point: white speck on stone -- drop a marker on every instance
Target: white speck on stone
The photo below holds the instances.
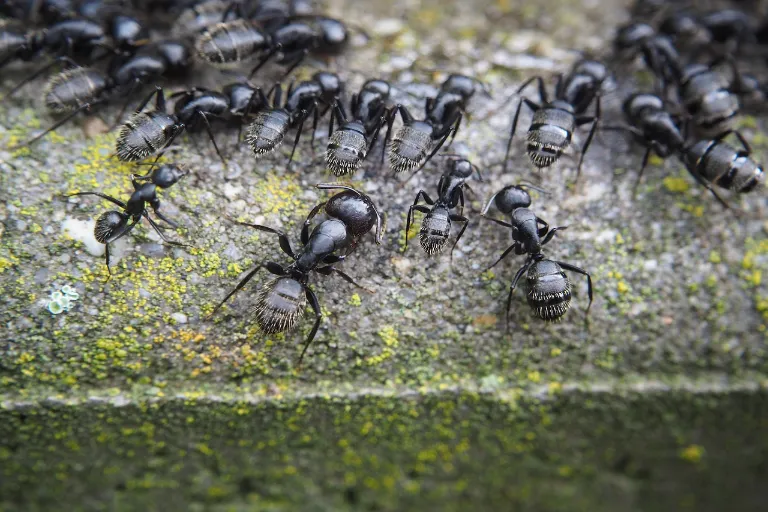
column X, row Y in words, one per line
column 231, row 191
column 606, row 236
column 179, row 318
column 82, row 231
column 650, row 265
column 388, row 27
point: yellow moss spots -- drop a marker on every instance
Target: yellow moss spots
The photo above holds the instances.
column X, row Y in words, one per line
column 755, row 278
column 692, row 453
column 277, row 194
column 488, row 275
column 619, row 239
column 388, row 334
column 714, row 257
column 534, row 376
column 697, row 210
column 622, row 287
column 676, row 184
column 355, row 300
column 555, row 352
column 24, row 358
column 209, row 263
column 6, row 263
column 554, row 388
column 746, row 122
column 565, row 471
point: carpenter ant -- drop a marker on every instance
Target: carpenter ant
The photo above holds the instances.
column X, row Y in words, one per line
column 729, row 28
column 715, row 161
column 352, row 207
column 411, row 145
column 239, row 40
column 350, row 144
column 73, row 38
column 436, row 225
column 201, row 16
column 281, row 302
column 112, row 225
column 554, row 121
column 269, row 127
column 80, row 89
column 706, row 97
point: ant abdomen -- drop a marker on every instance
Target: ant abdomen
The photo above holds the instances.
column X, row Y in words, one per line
column 720, row 163
column 434, row 232
column 279, row 305
column 266, row 132
column 347, row 148
column 230, row 43
column 68, row 90
column 549, row 135
column 410, row 146
column 106, row 225
column 549, row 290
column 144, row 134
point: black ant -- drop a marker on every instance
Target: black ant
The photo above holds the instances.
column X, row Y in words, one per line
column 351, row 143
column 411, row 145
column 270, row 125
column 554, row 121
column 281, row 302
column 708, row 161
column 436, row 225
column 512, row 197
column 658, row 51
column 729, row 28
column 80, row 89
column 113, row 225
column 238, row 40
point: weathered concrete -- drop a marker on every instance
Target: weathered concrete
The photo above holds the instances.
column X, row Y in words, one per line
column 413, row 396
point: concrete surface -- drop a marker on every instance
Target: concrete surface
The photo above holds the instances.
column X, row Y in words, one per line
column 413, row 397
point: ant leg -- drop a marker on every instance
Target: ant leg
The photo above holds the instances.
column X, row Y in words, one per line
column 106, row 257
column 544, row 226
column 160, row 233
column 514, row 247
column 512, row 131
column 305, row 227
column 646, row 157
column 200, row 114
column 418, row 208
column 134, row 85
column 572, row 268
column 551, row 233
column 304, row 114
column 704, row 183
column 158, row 91
column 743, row 141
column 458, row 218
column 39, row 72
column 264, row 60
column 99, row 194
column 500, row 222
column 164, row 218
column 285, row 244
column 315, row 119
column 318, row 317
column 455, row 128
column 375, row 136
column 490, row 202
column 592, row 131
column 237, row 288
column 302, row 55
column 512, row 287
column 328, row 270
column 56, row 125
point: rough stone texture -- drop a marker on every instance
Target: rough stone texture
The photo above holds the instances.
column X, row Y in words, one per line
column 412, row 396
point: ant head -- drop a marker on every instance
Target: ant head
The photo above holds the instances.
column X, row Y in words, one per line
column 175, row 54
column 459, row 166
column 107, row 224
column 168, row 174
column 630, row 36
column 330, row 83
column 512, row 197
column 127, row 32
column 334, row 35
column 465, row 86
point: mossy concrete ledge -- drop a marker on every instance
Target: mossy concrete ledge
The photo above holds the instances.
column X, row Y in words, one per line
column 630, row 448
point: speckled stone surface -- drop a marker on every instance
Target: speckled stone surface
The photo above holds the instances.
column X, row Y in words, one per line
column 413, row 397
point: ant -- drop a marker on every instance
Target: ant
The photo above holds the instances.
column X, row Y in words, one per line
column 268, row 129
column 554, row 121
column 658, row 51
column 240, row 39
column 436, row 225
column 113, row 225
column 350, row 144
column 410, row 148
column 512, row 197
column 80, row 89
column 715, row 161
column 281, row 302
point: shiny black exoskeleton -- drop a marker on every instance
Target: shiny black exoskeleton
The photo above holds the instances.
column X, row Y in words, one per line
column 270, row 125
column 511, row 197
column 717, row 162
column 707, row 98
column 657, row 50
column 436, row 225
column 281, row 302
column 351, row 143
column 75, row 38
column 113, row 224
column 728, row 28
column 148, row 133
column 417, row 141
column 80, row 89
column 352, row 207
column 553, row 121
